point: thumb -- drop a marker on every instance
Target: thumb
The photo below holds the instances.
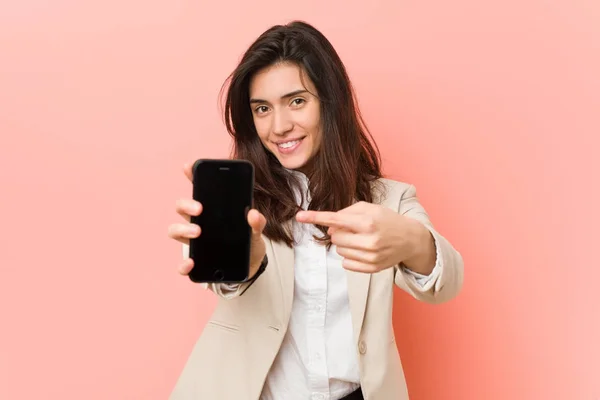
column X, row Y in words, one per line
column 257, row 222
column 187, row 170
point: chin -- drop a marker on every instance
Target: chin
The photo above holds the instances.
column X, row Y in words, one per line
column 292, row 165
column 295, row 163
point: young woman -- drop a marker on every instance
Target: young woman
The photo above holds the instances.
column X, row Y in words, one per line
column 316, row 323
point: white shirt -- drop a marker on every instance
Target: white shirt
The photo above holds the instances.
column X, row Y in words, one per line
column 317, row 359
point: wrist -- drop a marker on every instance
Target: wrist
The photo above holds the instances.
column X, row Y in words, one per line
column 423, row 258
column 253, row 270
column 255, row 274
column 257, row 269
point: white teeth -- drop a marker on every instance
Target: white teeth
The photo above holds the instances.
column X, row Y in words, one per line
column 287, row 145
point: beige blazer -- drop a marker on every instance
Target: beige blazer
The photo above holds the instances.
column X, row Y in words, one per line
column 236, row 349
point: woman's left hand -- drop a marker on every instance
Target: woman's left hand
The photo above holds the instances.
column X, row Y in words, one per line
column 371, row 237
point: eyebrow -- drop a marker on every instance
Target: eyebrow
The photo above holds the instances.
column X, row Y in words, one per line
column 285, row 96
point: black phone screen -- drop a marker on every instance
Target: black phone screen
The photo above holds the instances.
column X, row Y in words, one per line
column 222, row 251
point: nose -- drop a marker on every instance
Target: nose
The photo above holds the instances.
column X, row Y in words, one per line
column 282, row 124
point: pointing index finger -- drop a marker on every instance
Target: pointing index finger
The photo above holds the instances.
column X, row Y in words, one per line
column 330, row 219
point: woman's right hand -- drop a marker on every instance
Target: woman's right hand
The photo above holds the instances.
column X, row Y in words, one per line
column 184, row 231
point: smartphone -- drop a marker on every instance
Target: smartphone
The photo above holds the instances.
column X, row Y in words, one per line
column 222, row 251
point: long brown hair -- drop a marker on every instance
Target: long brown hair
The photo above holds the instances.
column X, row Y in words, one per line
column 348, row 161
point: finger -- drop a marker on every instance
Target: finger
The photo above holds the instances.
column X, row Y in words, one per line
column 257, row 221
column 348, row 221
column 187, row 170
column 358, row 241
column 366, row 257
column 183, row 232
column 186, row 266
column 187, row 208
column 358, row 266
column 358, row 208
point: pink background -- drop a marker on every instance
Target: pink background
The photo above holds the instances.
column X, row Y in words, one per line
column 491, row 108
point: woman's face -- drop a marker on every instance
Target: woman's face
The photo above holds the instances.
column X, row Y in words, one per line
column 286, row 114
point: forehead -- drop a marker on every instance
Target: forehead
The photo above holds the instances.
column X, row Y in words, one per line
column 277, row 80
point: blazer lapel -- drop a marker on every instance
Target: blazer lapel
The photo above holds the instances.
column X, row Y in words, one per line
column 284, row 259
column 358, row 291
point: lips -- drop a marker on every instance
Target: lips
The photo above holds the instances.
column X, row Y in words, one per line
column 287, row 145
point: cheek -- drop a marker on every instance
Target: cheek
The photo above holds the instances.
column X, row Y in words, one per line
column 313, row 123
column 309, row 124
column 317, row 139
column 314, row 127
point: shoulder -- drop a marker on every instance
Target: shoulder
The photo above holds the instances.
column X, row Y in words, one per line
column 387, row 190
column 395, row 186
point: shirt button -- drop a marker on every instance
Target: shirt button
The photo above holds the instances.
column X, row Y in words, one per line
column 317, row 396
column 362, row 347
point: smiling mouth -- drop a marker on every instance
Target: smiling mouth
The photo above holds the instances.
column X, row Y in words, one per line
column 290, row 143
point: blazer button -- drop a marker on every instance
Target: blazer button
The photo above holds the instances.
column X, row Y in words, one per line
column 362, row 347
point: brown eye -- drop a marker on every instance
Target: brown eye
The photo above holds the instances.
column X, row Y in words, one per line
column 261, row 109
column 298, row 102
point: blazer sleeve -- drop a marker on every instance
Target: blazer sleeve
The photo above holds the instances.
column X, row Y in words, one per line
column 224, row 290
column 446, row 280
